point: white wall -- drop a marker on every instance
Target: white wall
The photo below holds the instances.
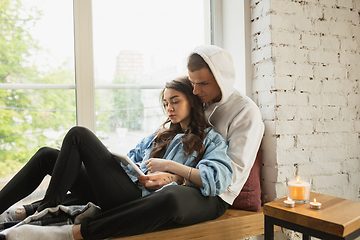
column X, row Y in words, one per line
column 306, row 63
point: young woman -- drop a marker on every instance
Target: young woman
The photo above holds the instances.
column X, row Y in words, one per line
column 183, row 149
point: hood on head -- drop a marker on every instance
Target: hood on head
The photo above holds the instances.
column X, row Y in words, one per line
column 222, row 67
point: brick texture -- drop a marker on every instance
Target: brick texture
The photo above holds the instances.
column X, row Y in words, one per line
column 306, row 60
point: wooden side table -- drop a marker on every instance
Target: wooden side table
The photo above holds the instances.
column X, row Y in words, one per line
column 338, row 218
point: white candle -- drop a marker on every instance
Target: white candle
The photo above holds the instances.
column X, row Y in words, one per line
column 289, row 203
column 299, row 189
column 315, row 204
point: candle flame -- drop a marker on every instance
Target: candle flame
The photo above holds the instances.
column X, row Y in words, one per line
column 314, row 199
column 297, row 179
column 288, row 199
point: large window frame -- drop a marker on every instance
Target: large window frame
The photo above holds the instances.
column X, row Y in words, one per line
column 231, row 20
column 219, row 30
column 85, row 89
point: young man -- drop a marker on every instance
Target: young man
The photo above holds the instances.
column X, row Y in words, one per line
column 233, row 115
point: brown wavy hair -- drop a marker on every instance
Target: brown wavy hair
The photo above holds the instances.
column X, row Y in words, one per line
column 194, row 135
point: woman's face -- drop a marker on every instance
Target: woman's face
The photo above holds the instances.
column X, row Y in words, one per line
column 177, row 107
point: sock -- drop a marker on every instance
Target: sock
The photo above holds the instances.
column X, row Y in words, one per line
column 8, row 215
column 33, row 232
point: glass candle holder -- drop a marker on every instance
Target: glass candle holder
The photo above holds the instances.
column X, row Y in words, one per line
column 298, row 189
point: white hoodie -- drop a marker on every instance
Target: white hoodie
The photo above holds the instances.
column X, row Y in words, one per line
column 236, row 117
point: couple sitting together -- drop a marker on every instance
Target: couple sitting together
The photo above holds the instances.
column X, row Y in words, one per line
column 195, row 164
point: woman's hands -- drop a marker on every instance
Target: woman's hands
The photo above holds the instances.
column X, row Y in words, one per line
column 157, row 175
column 157, row 180
column 157, row 165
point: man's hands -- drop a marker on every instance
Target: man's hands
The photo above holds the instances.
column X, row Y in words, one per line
column 157, row 180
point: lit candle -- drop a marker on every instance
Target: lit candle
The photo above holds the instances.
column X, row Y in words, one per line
column 299, row 190
column 315, row 204
column 289, row 203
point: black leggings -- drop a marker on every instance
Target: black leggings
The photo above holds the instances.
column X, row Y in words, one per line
column 101, row 180
column 174, row 204
column 84, row 166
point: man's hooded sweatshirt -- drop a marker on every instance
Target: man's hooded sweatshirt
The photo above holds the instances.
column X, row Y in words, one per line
column 236, row 117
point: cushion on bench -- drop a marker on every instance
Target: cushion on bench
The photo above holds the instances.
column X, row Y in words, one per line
column 250, row 196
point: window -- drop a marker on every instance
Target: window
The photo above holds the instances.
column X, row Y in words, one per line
column 138, row 46
column 125, row 52
column 37, row 78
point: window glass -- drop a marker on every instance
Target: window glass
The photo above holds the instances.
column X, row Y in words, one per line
column 37, row 40
column 139, row 43
column 36, row 47
column 138, row 46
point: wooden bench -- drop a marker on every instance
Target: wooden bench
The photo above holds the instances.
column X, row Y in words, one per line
column 234, row 224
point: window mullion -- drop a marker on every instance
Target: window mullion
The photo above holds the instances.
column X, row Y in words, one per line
column 207, row 22
column 216, row 12
column 85, row 94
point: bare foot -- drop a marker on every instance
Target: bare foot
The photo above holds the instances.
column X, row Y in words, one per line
column 76, row 232
column 20, row 213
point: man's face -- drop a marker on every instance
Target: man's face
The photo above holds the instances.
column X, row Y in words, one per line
column 205, row 85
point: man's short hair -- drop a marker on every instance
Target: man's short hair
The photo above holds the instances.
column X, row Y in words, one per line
column 196, row 62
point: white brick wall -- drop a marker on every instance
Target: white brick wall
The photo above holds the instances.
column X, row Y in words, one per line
column 306, row 58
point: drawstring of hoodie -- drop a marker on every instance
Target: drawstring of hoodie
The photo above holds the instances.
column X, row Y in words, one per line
column 210, row 116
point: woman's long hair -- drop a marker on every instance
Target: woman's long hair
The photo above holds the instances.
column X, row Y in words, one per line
column 194, row 135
